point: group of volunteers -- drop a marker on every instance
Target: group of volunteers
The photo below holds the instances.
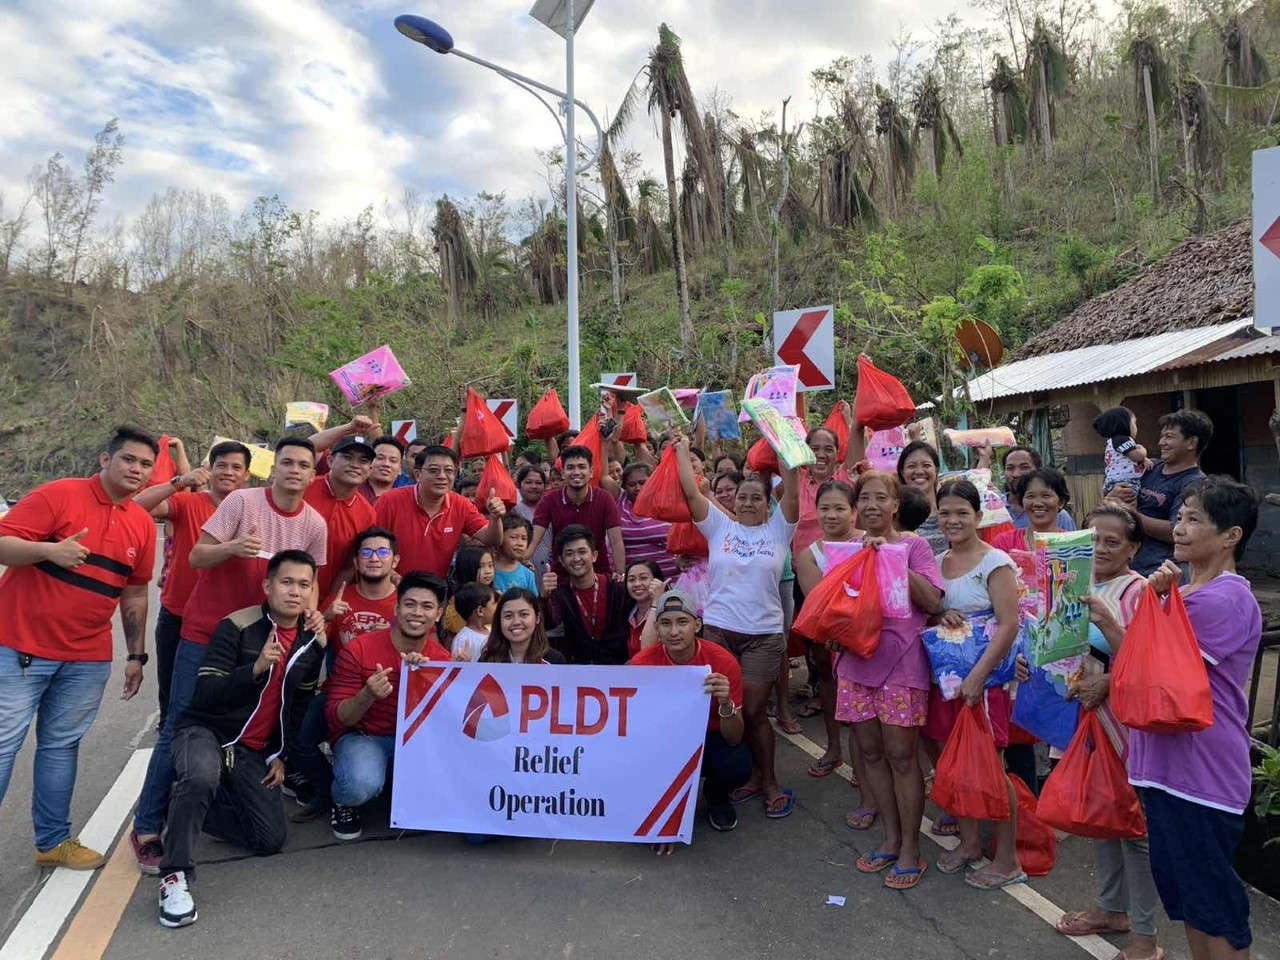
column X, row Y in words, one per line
column 287, row 609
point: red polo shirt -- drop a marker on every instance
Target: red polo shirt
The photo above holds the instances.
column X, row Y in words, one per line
column 708, row 654
column 427, row 541
column 51, row 612
column 355, row 665
column 187, row 514
column 344, row 519
column 598, row 513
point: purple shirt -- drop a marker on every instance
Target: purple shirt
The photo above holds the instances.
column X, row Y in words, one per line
column 645, row 538
column 598, row 513
column 1211, row 766
column 900, row 659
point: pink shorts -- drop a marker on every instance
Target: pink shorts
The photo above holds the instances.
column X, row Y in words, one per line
column 943, row 713
column 891, row 704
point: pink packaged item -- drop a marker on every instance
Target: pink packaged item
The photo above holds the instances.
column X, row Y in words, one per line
column 891, row 571
column 884, row 448
column 375, row 374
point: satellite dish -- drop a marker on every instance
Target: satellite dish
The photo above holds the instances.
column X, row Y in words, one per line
column 979, row 344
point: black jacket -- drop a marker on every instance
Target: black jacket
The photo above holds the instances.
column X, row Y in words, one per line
column 227, row 694
column 567, row 631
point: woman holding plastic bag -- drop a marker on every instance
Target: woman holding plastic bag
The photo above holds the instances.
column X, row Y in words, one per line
column 886, row 695
column 977, row 577
column 744, row 612
column 1127, row 898
column 1196, row 785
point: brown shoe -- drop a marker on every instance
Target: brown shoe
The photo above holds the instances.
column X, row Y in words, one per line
column 72, row 854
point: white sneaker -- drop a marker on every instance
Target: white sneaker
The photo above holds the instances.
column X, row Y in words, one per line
column 177, row 909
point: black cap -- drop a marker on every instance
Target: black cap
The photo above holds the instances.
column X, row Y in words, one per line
column 352, row 443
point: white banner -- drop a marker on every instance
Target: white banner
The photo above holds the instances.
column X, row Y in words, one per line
column 565, row 752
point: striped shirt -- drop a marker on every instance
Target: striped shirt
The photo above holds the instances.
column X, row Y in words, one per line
column 644, row 538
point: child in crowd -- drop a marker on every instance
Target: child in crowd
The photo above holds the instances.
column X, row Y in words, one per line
column 473, row 565
column 475, row 604
column 467, row 485
column 913, row 510
column 509, row 569
column 1124, row 460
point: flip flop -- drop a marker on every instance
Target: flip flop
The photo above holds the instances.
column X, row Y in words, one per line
column 743, row 794
column 946, row 826
column 808, row 710
column 790, row 726
column 904, row 879
column 954, row 866
column 875, row 861
column 854, row 818
column 787, row 808
column 823, row 767
column 1075, row 924
column 995, row 882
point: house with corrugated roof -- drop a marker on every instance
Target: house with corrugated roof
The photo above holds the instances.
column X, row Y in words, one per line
column 1179, row 333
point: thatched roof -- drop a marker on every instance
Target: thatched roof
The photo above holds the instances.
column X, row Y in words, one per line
column 1206, row 280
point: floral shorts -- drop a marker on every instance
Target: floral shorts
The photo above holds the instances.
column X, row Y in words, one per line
column 893, row 703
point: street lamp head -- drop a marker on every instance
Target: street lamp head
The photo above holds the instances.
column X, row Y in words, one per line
column 424, row 31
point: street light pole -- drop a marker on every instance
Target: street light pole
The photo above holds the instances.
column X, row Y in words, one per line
column 571, row 226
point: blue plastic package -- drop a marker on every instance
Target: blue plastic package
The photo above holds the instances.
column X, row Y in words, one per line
column 954, row 651
column 1041, row 707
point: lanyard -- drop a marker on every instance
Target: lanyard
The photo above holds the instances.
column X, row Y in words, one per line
column 594, row 614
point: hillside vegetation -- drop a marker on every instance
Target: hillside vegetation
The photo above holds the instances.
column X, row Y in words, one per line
column 1006, row 175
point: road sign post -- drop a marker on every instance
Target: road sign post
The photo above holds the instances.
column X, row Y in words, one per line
column 806, row 338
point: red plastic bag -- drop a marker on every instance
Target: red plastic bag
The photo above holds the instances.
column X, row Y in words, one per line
column 1035, row 840
column 686, row 540
column 882, row 401
column 837, row 424
column 448, row 440
column 547, row 419
column 482, row 431
column 661, row 496
column 165, row 469
column 633, row 428
column 1158, row 681
column 589, row 437
column 762, row 457
column 1088, row 792
column 854, row 620
column 809, row 622
column 969, row 780
column 497, row 478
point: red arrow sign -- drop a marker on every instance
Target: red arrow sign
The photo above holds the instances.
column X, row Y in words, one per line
column 500, row 410
column 406, row 427
column 792, row 350
column 1271, row 238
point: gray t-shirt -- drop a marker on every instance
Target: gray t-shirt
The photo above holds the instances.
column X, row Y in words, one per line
column 1160, row 497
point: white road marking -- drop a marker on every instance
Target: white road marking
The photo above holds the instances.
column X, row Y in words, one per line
column 39, row 927
column 1037, row 903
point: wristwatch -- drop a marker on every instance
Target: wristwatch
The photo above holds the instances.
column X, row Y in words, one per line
column 176, row 483
column 141, row 658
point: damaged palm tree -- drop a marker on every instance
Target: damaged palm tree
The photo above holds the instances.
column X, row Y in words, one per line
column 653, row 247
column 934, row 122
column 1151, row 93
column 1242, row 65
column 458, row 269
column 895, row 147
column 1008, row 115
column 1046, row 80
column 843, row 199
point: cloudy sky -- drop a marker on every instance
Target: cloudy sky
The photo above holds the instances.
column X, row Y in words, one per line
column 323, row 102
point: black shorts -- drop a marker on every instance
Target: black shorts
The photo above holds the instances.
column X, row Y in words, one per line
column 1193, row 851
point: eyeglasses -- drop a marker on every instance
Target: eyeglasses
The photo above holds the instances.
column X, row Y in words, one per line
column 367, row 552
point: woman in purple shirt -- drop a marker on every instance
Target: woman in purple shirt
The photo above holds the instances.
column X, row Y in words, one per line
column 1195, row 786
column 886, row 695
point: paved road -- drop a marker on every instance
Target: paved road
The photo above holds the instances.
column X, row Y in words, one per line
column 758, row 892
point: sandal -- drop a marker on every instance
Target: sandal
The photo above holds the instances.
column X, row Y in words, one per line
column 788, row 799
column 807, row 710
column 790, row 726
column 1076, row 923
column 875, row 861
column 984, row 879
column 860, row 819
column 953, row 862
column 743, row 794
column 900, row 878
column 947, row 826
column 823, row 766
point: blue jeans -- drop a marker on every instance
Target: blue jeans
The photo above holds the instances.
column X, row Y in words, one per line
column 360, row 765
column 63, row 696
column 153, row 801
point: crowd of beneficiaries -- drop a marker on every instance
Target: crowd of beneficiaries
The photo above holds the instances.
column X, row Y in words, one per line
column 286, row 610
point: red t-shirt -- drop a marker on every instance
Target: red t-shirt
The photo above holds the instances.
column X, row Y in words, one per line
column 365, row 615
column 355, row 664
column 593, row 606
column 59, row 614
column 598, row 513
column 237, row 582
column 187, row 515
column 266, row 717
column 344, row 519
column 427, row 541
column 708, row 654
